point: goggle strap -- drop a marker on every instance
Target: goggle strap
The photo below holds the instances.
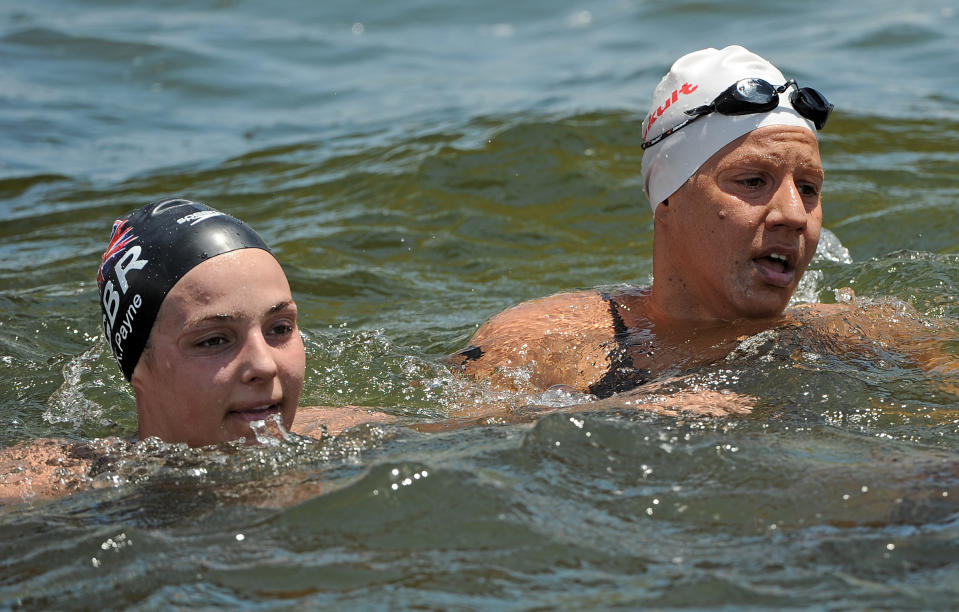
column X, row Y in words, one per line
column 700, row 110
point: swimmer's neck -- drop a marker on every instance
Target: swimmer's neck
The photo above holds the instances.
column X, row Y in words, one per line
column 642, row 309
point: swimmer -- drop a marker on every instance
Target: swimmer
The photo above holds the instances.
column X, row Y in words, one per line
column 732, row 171
column 201, row 320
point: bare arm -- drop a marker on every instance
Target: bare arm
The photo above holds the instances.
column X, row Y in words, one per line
column 658, row 397
column 312, row 421
column 892, row 325
column 40, row 469
column 685, row 402
column 564, row 339
column 47, row 468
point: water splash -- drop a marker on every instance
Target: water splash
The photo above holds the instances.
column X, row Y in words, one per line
column 830, row 249
column 271, row 432
column 68, row 404
column 807, row 292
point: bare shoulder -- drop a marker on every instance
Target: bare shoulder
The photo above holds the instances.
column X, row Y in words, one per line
column 559, row 313
column 41, row 469
column 888, row 324
column 312, row 421
column 888, row 320
column 560, row 339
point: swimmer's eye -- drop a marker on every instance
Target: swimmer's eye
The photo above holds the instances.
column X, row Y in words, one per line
column 282, row 329
column 212, row 342
column 752, row 182
column 809, row 189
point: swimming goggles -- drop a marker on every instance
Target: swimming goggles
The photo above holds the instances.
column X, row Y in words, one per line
column 751, row 96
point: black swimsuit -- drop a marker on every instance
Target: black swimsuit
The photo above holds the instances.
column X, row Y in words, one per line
column 622, row 375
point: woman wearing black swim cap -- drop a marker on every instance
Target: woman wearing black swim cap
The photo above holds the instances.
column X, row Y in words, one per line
column 201, row 320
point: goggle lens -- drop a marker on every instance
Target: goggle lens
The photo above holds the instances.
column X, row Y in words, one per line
column 747, row 97
column 812, row 105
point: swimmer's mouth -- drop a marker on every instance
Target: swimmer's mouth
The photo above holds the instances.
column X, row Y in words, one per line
column 776, row 268
column 255, row 413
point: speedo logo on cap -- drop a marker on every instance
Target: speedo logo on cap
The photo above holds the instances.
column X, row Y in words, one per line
column 194, row 218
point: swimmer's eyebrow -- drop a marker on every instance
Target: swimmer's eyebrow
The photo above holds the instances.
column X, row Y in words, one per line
column 228, row 316
column 281, row 306
column 773, row 158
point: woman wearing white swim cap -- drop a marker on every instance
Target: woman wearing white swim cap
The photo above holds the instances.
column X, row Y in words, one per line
column 732, row 170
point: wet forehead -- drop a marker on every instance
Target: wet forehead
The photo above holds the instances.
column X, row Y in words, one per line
column 774, row 145
column 242, row 280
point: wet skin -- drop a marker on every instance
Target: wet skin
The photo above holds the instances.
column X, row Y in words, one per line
column 730, row 248
column 224, row 351
column 734, row 241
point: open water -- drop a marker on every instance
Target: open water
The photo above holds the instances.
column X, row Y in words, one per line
column 418, row 166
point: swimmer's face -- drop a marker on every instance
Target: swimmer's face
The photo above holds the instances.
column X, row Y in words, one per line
column 738, row 236
column 225, row 350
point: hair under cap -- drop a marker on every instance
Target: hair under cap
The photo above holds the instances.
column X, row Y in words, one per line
column 695, row 80
column 151, row 249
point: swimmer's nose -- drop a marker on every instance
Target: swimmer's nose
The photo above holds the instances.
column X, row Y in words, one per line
column 258, row 363
column 788, row 208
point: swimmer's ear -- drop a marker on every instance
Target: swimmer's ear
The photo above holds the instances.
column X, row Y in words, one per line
column 661, row 214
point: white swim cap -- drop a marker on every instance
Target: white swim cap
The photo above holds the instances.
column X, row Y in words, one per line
column 695, row 80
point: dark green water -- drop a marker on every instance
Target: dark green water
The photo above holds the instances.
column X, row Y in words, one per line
column 418, row 167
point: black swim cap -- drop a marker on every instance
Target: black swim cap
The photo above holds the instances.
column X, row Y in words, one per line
column 150, row 250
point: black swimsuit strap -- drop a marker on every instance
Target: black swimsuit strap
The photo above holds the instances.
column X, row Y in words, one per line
column 470, row 353
column 621, row 375
column 620, row 331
